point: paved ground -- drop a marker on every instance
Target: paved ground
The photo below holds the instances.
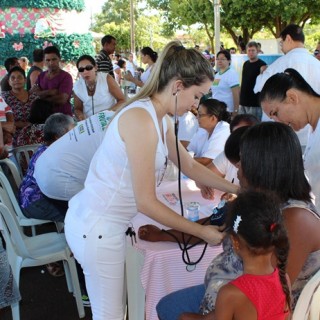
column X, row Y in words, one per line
column 44, row 297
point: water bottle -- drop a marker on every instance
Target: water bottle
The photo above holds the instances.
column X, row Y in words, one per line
column 192, row 211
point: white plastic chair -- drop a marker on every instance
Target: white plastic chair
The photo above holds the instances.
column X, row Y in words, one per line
column 38, row 250
column 308, row 305
column 8, row 197
column 23, row 155
column 15, row 172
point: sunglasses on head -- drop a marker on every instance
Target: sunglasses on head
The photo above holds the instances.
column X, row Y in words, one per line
column 88, row 68
column 316, row 52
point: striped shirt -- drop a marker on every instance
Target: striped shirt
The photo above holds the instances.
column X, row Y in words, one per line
column 104, row 63
column 4, row 109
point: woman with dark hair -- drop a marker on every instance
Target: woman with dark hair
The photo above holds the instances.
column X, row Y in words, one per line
column 271, row 160
column 288, row 98
column 126, row 169
column 19, row 100
column 225, row 86
column 148, row 57
column 214, row 130
column 94, row 91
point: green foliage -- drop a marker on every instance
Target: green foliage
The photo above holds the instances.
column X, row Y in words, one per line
column 239, row 17
column 115, row 20
column 120, row 32
column 71, row 46
column 60, row 4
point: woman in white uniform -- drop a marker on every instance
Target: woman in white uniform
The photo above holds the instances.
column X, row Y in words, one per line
column 286, row 97
column 125, row 171
column 214, row 130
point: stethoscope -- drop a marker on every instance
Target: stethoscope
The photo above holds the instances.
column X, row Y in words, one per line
column 184, row 246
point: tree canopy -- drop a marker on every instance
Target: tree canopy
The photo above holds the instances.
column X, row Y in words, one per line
column 239, row 17
column 242, row 18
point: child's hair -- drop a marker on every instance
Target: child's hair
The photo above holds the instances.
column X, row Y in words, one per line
column 247, row 118
column 232, row 145
column 256, row 217
column 216, row 108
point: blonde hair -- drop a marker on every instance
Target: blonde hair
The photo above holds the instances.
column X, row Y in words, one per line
column 175, row 63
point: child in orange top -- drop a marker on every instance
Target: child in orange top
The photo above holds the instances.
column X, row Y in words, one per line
column 259, row 237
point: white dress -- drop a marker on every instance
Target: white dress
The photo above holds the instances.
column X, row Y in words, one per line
column 102, row 98
column 61, row 170
column 99, row 215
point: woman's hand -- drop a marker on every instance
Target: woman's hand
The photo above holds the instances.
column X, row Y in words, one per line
column 207, row 193
column 213, row 235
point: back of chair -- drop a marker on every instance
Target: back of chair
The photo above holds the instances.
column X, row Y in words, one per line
column 307, row 307
column 8, row 197
column 12, row 232
column 13, row 170
column 23, row 155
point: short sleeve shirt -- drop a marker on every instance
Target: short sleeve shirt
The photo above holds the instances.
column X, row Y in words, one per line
column 63, row 82
column 222, row 85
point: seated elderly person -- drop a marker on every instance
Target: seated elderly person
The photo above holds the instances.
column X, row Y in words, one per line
column 214, row 130
column 61, row 170
column 31, row 199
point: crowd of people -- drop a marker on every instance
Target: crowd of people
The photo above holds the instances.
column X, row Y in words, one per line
column 102, row 157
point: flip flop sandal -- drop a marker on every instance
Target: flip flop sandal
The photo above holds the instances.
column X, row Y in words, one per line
column 55, row 269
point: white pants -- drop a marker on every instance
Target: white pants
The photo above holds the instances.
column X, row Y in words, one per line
column 101, row 253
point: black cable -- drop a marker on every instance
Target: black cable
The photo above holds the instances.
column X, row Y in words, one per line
column 184, row 246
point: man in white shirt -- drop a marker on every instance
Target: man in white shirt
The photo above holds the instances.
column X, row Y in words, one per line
column 296, row 56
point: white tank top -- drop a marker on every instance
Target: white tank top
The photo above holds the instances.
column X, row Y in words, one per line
column 108, row 190
column 102, row 98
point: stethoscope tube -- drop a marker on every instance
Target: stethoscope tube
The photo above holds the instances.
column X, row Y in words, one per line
column 190, row 265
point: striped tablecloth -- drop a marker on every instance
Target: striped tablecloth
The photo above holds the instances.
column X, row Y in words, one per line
column 163, row 270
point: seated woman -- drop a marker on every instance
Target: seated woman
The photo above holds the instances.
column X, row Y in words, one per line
column 33, row 133
column 265, row 166
column 214, row 130
column 33, row 202
column 94, row 91
column 19, row 99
